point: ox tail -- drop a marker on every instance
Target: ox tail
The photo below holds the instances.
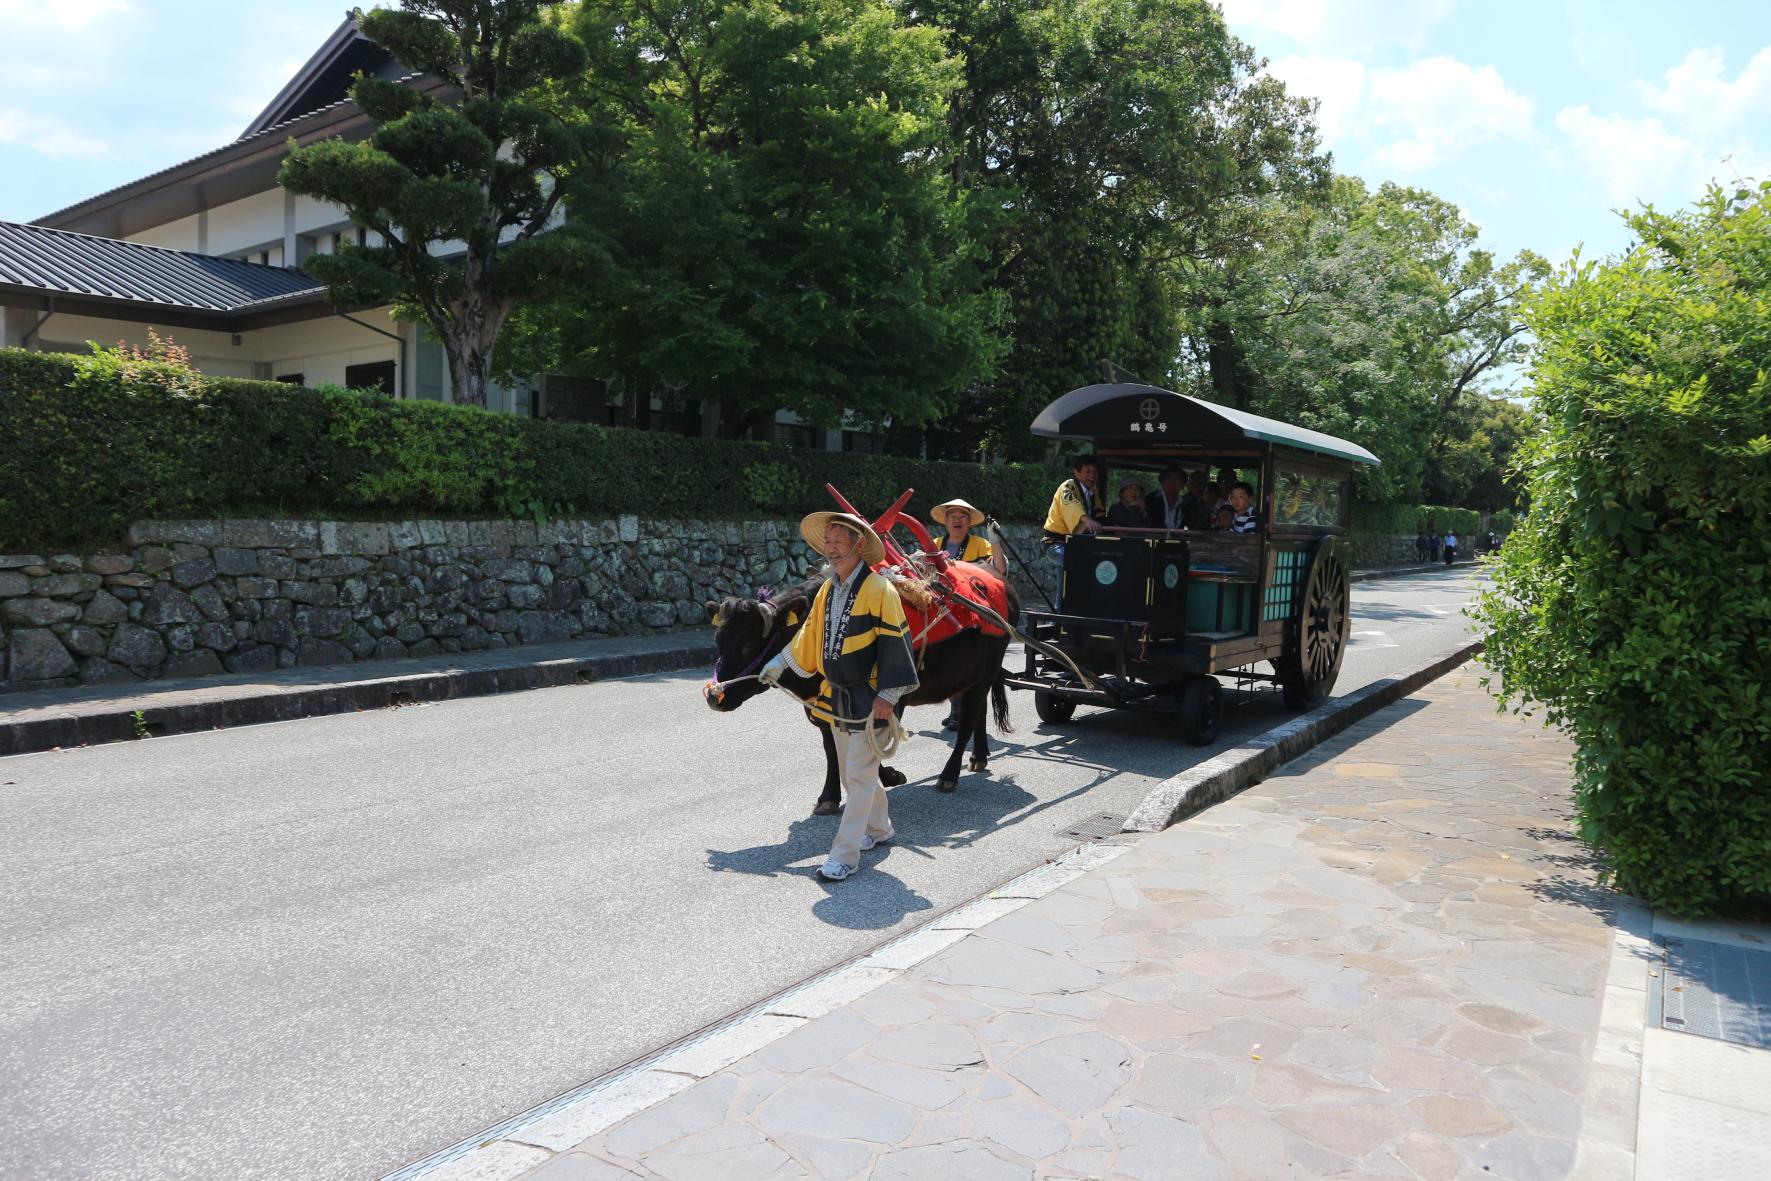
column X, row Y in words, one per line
column 999, row 700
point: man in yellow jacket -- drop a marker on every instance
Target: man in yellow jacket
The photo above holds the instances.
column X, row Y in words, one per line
column 856, row 638
column 1075, row 508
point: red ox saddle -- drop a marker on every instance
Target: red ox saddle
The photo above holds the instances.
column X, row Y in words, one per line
column 975, row 583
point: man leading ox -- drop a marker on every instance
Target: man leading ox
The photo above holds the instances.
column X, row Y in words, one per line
column 856, row 638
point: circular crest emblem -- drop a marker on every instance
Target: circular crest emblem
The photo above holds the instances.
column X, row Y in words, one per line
column 1171, row 575
column 1149, row 408
column 1106, row 573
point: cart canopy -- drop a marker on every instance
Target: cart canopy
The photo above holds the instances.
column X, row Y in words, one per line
column 1144, row 416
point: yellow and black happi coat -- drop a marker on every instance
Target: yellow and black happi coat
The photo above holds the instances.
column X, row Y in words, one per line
column 872, row 649
column 977, row 549
column 1068, row 507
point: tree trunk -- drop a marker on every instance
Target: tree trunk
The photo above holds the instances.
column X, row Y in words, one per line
column 1230, row 378
column 468, row 340
column 735, row 421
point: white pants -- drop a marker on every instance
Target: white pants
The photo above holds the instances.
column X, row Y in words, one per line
column 864, row 797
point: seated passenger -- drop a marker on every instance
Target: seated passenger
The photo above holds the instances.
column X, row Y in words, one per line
column 1224, row 520
column 1129, row 512
column 1196, row 502
column 1164, row 506
column 1241, row 506
column 1227, row 479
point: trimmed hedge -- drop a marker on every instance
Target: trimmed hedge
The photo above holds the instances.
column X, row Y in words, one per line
column 1633, row 602
column 89, row 445
column 1401, row 520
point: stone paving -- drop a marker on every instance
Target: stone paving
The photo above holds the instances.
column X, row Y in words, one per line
column 1388, row 960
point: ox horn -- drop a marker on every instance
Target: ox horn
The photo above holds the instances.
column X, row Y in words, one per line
column 768, row 610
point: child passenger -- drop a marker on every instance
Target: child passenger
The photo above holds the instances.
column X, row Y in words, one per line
column 1242, row 515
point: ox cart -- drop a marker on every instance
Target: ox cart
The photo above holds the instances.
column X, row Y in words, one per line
column 1150, row 618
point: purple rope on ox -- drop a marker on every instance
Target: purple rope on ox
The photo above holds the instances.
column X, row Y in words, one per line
column 763, row 595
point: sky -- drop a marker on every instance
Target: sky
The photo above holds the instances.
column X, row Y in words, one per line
column 1539, row 118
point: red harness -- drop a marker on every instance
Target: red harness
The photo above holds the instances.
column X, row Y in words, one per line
column 952, row 616
column 967, row 579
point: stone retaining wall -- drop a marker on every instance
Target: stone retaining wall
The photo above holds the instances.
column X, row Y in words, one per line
column 189, row 598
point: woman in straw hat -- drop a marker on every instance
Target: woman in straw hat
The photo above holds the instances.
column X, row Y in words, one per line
column 857, row 640
column 962, row 545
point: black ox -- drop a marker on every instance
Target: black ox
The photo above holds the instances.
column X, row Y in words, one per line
column 967, row 666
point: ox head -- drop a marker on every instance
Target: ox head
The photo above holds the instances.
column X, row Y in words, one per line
column 747, row 634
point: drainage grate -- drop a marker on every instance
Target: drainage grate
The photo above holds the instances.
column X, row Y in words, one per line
column 1098, row 827
column 1715, row 990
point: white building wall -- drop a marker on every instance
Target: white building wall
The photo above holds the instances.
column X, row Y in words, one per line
column 174, row 235
column 319, row 350
column 252, row 223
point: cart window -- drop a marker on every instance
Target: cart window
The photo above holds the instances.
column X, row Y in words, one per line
column 1306, row 498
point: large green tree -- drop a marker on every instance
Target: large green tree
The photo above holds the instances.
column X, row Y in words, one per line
column 1369, row 315
column 783, row 231
column 1115, row 138
column 461, row 192
column 1473, row 463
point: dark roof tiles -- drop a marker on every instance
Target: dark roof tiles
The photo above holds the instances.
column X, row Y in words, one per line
column 58, row 262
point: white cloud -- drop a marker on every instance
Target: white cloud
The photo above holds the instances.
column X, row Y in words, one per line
column 1338, row 26
column 1441, row 106
column 1698, row 93
column 1700, row 129
column 1337, row 83
column 46, row 135
column 1413, row 118
column 60, row 16
column 1635, row 159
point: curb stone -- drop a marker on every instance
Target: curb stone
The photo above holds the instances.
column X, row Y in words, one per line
column 1219, row 778
column 1404, row 571
column 288, row 704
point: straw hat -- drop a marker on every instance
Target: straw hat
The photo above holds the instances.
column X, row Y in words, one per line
column 812, row 529
column 939, row 514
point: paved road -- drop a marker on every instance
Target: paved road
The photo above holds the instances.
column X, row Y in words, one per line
column 325, row 948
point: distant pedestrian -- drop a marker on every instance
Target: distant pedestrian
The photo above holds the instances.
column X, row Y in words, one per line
column 1434, row 543
column 1450, row 548
column 1420, row 546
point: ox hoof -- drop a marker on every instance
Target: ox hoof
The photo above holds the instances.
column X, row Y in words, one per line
column 827, row 808
column 978, row 765
column 947, row 785
column 891, row 777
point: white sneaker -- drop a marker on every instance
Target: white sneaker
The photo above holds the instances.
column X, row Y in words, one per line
column 835, row 871
column 868, row 842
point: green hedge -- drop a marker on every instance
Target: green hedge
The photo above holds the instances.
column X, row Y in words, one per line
column 1633, row 602
column 90, row 444
column 1391, row 519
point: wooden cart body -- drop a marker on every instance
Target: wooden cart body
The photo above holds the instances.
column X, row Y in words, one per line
column 1150, row 617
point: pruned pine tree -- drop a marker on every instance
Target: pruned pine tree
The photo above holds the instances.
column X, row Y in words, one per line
column 462, row 192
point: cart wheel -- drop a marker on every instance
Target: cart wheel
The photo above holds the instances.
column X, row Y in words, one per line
column 1052, row 708
column 1200, row 710
column 1308, row 669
